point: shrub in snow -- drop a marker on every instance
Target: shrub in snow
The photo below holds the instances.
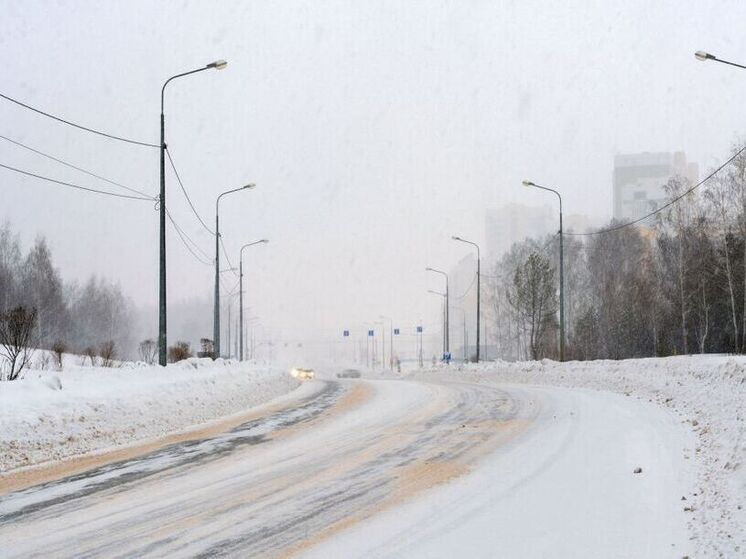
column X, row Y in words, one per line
column 16, row 326
column 90, row 353
column 107, row 351
column 148, row 350
column 179, row 352
column 59, row 348
column 43, row 362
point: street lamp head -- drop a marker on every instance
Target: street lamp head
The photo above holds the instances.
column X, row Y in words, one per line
column 264, row 241
column 528, row 183
column 428, row 269
column 456, row 238
column 250, row 185
column 218, row 64
column 702, row 55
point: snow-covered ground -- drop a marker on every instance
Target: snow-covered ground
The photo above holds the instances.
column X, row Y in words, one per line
column 52, row 415
column 530, row 459
column 706, row 395
column 563, row 485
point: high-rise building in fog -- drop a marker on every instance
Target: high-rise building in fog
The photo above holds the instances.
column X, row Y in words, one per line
column 514, row 222
column 639, row 179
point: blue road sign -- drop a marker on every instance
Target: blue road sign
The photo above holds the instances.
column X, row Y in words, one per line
column 370, row 332
column 346, row 333
column 396, row 331
column 419, row 329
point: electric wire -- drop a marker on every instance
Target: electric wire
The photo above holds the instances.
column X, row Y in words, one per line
column 189, row 239
column 468, row 289
column 233, row 291
column 65, row 163
column 183, row 190
column 667, row 205
column 227, row 258
column 92, row 130
column 76, row 186
column 183, row 236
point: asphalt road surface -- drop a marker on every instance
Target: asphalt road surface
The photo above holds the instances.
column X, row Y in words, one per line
column 273, row 486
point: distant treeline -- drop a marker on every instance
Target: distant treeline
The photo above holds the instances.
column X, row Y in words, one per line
column 674, row 284
column 81, row 317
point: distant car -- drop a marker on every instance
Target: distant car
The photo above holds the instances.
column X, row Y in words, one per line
column 302, row 374
column 349, row 373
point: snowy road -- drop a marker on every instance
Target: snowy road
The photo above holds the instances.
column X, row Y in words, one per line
column 353, row 468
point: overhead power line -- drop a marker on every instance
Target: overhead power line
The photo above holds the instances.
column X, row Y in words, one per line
column 227, row 258
column 667, row 205
column 65, row 163
column 185, row 239
column 76, row 186
column 468, row 289
column 183, row 189
column 62, row 120
column 232, row 291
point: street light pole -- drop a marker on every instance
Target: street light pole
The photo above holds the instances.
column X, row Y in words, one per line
column 162, row 323
column 561, row 266
column 216, row 309
column 704, row 56
column 240, row 293
column 447, row 313
column 479, row 291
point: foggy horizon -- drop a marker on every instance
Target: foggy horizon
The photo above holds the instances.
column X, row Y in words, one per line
column 374, row 133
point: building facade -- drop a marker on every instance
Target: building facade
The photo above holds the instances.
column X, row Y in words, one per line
column 639, row 180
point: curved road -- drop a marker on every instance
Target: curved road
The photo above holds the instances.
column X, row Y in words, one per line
column 316, row 473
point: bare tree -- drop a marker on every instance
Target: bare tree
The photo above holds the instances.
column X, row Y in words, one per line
column 534, row 297
column 16, row 328
column 90, row 353
column 107, row 352
column 208, row 348
column 148, row 351
column 59, row 348
column 721, row 197
column 679, row 217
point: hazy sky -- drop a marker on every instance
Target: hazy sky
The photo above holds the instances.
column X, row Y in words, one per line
column 374, row 131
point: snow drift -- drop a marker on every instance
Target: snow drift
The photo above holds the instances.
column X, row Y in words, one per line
column 52, row 415
column 707, row 393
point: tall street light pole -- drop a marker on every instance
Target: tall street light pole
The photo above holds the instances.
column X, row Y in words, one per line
column 445, row 316
column 448, row 317
column 479, row 290
column 216, row 310
column 240, row 294
column 162, row 338
column 704, row 56
column 391, row 341
column 561, row 266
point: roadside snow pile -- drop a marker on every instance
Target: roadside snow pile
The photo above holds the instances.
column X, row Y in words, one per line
column 708, row 393
column 53, row 415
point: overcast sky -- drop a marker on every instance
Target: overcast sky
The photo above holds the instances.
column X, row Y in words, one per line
column 373, row 130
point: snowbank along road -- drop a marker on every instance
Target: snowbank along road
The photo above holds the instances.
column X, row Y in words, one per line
column 385, row 469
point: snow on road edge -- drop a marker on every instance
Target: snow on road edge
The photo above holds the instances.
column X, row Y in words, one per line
column 708, row 393
column 50, row 416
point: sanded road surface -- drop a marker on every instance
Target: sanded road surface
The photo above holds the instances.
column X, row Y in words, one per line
column 278, row 485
